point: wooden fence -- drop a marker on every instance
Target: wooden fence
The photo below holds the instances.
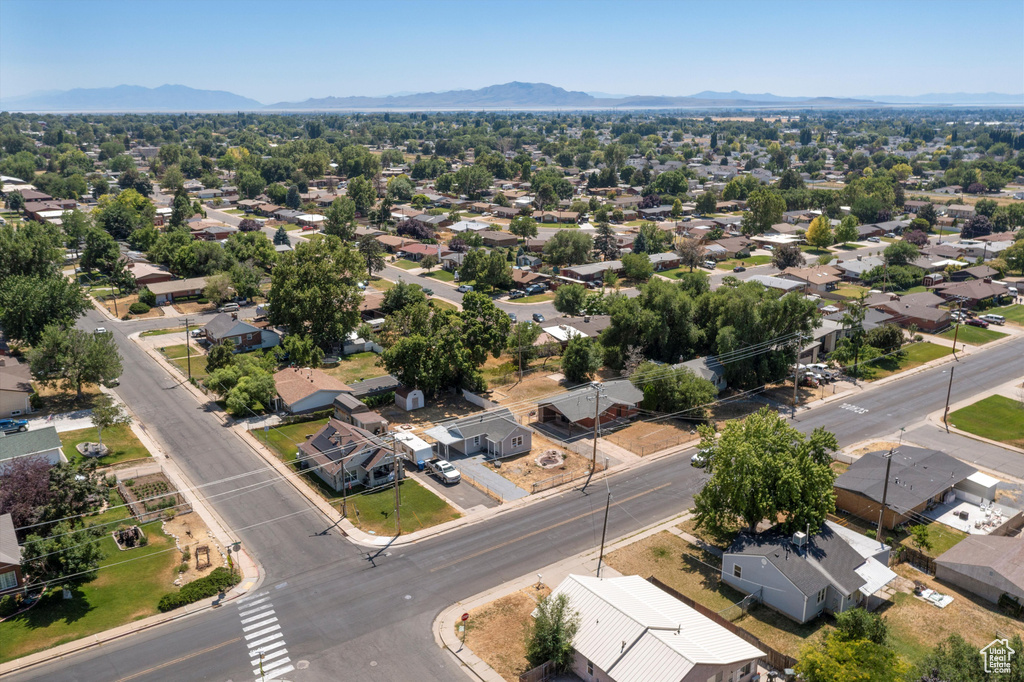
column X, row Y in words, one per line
column 773, row 658
column 541, row 673
column 909, row 555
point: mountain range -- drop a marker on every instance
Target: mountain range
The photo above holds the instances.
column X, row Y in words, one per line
column 514, row 95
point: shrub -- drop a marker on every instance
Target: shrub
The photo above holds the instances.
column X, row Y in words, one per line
column 138, row 308
column 9, row 603
column 202, row 300
column 218, row 580
column 182, row 568
column 148, row 297
column 186, row 554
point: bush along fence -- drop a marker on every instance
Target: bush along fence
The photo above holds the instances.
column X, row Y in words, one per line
column 211, row 585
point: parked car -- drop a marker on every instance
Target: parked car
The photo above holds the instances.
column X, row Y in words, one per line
column 701, row 458
column 516, row 293
column 538, row 318
column 958, row 316
column 739, row 268
column 13, row 425
column 890, row 235
column 196, row 333
column 465, row 288
column 444, row 470
column 512, row 316
column 428, row 292
column 873, row 240
column 709, row 264
column 992, row 318
column 977, row 322
column 99, row 330
column 229, row 308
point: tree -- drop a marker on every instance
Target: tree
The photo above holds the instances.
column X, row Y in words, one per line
column 927, row 212
column 33, row 250
column 637, row 267
column 569, row 299
column 707, row 203
column 521, row 342
column 173, row 180
column 122, row 213
column 651, row 239
column 15, row 201
column 25, row 488
column 691, row 252
column 1014, row 256
column 100, row 252
column 956, row 660
column 485, row 327
column 429, row 262
column 28, row 304
column 251, row 247
column 787, row 256
column 248, row 225
column 372, row 252
column 400, row 296
column 887, row 338
column 582, row 357
column 846, row 231
column 218, row 288
column 73, row 357
column 362, row 194
column 858, row 624
column 763, row 468
column 523, row 227
column 819, row 232
column 293, row 200
column 977, row 226
column 313, row 290
column 985, row 207
column 841, row 660
column 221, row 355
column 106, row 414
column 900, row 253
column 281, row 236
column 917, row 238
column 568, row 247
column 674, row 390
column 552, row 632
column 340, row 218
column 605, row 241
column 70, row 553
column 920, row 537
column 302, row 351
column 764, row 209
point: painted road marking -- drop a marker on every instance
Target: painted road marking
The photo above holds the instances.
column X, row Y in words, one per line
column 279, row 672
column 264, row 640
column 262, row 614
column 246, row 599
column 268, row 621
column 267, row 631
column 273, row 668
column 854, row 408
column 267, row 647
column 271, row 638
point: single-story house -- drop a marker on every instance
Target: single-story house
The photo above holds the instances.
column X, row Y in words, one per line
column 354, row 411
column 972, row 292
column 368, row 388
column 777, row 283
column 927, row 318
column 803, row 577
column 467, row 225
column 167, row 292
column 960, row 211
column 526, row 260
column 148, row 273
column 591, row 272
column 816, row 280
column 664, row 261
column 852, row 270
column 393, row 243
column 986, row 565
column 44, row 443
column 974, row 272
column 495, row 433
column 662, row 212
column 416, row 251
column 310, row 221
column 344, row 455
column 505, row 211
column 917, row 477
column 11, row 577
column 288, row 215
column 494, row 238
column 617, row 399
column 707, row 368
column 409, row 399
column 731, row 247
column 302, row 389
column 371, row 307
column 244, row 335
column 556, row 216
column 15, row 387
column 632, row 631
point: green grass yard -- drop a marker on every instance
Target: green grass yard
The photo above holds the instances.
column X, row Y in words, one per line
column 405, row 264
column 814, row 250
column 852, row 291
column 284, row 439
column 914, row 355
column 420, row 509
column 749, row 261
column 177, row 351
column 537, row 298
column 441, row 275
column 126, row 588
column 120, row 439
column 356, row 367
column 676, row 273
column 198, row 364
column 162, row 332
column 1013, row 313
column 976, row 336
column 441, row 304
column 995, row 417
column 941, row 537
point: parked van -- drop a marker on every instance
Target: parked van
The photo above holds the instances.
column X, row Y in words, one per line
column 994, row 319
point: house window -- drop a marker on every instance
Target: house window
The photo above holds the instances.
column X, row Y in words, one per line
column 8, row 580
column 476, row 440
column 737, row 571
column 717, row 677
column 248, row 337
column 517, row 441
column 821, row 595
column 745, row 670
column 590, row 667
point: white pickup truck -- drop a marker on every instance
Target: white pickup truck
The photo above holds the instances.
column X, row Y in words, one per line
column 444, row 470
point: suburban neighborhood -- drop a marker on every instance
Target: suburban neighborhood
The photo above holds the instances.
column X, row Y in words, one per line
column 514, row 383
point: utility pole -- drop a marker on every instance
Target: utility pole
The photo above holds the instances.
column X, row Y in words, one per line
column 597, row 421
column 885, row 490
column 398, row 496
column 956, row 329
column 796, row 372
column 604, row 532
column 188, row 350
column 949, row 390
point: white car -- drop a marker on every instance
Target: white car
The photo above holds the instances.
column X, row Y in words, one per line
column 99, row 330
column 444, row 470
column 701, row 458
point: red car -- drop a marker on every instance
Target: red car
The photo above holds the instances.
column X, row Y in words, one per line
column 975, row 322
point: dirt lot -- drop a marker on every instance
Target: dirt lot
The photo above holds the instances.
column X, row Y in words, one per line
column 57, row 400
column 180, row 528
column 524, row 471
column 125, row 302
column 644, row 438
column 439, row 408
column 534, row 386
column 873, row 446
column 192, row 308
column 496, row 632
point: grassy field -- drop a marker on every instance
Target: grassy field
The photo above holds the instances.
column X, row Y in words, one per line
column 852, row 291
column 122, row 443
column 442, row 275
column 996, row 417
column 1013, row 313
column 976, row 336
column 356, row 367
column 284, row 439
column 676, row 273
column 915, row 355
column 496, row 632
column 814, row 250
column 405, row 264
column 374, row 512
column 198, row 366
column 127, row 588
column 747, row 262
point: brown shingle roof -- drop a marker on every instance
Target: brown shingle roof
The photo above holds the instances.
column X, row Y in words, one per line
column 295, row 383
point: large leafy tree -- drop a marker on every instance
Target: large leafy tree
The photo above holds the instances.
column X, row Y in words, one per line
column 581, row 359
column 787, row 256
column 341, row 219
column 251, row 246
column 674, row 390
column 485, row 327
column 72, row 358
column 362, row 194
column 956, row 660
column 523, row 227
column 568, row 247
column 32, row 250
column 28, row 304
column 651, row 239
column 819, row 232
column 846, row 231
column 764, row 209
column 24, row 488
column 551, row 634
column 570, row 299
column 313, row 290
column 763, row 468
column 121, row 214
column 840, row 660
column 100, row 252
column 605, row 241
column 106, row 414
column 900, row 253
column 372, row 252
column 70, row 553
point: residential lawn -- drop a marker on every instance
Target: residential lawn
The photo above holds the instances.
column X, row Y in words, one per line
column 57, row 400
column 1013, row 313
column 676, row 273
column 976, row 336
column 630, row 223
column 441, row 304
column 198, row 364
column 442, row 275
column 915, row 290
column 161, row 332
column 851, row 290
column 356, row 367
column 177, row 351
column 890, row 240
column 120, row 593
column 405, row 264
column 123, row 444
column 996, row 417
column 915, row 355
column 375, row 511
column 382, row 284
column 941, row 537
column 233, row 211
column 814, row 250
column 284, row 439
column 748, row 262
column 537, row 298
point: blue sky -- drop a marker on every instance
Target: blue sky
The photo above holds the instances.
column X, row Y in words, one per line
column 275, row 51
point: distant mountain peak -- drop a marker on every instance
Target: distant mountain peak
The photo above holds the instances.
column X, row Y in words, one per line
column 132, row 98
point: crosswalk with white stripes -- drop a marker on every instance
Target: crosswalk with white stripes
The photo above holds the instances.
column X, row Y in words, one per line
column 263, row 637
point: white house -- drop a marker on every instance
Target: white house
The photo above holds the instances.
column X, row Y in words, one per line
column 632, row 631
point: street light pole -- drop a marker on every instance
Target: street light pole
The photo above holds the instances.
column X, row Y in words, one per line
column 885, row 491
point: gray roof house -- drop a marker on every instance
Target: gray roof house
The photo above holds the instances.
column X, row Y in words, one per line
column 496, row 434
column 245, row 336
column 707, row 368
column 986, row 565
column 42, row 442
column 618, row 400
column 855, row 268
column 10, row 556
column 803, row 577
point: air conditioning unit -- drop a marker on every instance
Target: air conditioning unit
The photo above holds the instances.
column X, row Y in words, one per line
column 799, row 539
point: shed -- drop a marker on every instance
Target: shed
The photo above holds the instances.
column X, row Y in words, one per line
column 409, row 399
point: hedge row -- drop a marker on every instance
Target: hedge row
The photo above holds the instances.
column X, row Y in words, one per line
column 219, row 580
